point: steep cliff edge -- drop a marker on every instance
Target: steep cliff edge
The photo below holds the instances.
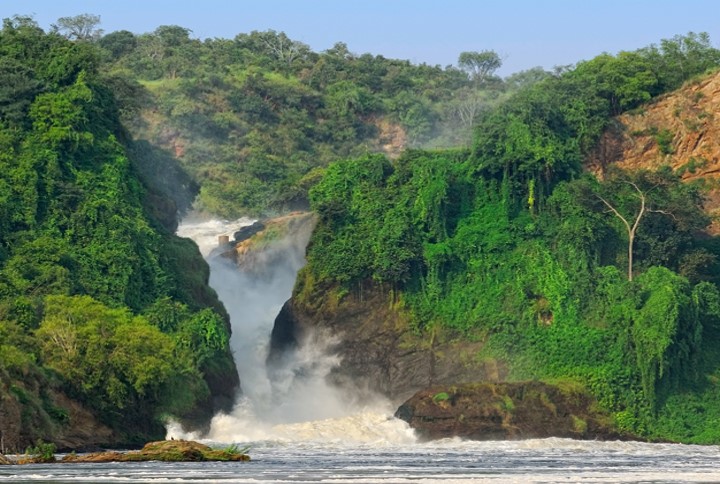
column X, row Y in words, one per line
column 380, row 351
column 679, row 130
column 439, row 269
column 522, row 410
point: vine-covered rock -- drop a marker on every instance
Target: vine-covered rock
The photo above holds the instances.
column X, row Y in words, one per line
column 165, row 451
column 498, row 411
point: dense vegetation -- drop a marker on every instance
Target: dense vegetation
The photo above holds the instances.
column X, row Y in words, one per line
column 254, row 118
column 503, row 240
column 98, row 299
column 510, row 244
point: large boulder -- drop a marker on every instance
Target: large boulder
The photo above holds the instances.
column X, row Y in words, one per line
column 500, row 411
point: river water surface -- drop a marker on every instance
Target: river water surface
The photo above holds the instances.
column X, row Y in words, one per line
column 539, row 461
column 301, row 430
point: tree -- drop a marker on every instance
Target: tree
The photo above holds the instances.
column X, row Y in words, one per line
column 79, row 27
column 177, row 51
column 683, row 57
column 480, row 66
column 276, row 46
column 658, row 192
column 625, row 80
column 469, row 104
column 173, row 35
column 527, row 78
column 118, row 43
column 630, row 229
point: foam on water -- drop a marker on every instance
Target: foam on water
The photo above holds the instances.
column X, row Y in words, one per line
column 343, row 461
column 293, row 402
column 302, row 430
column 374, row 427
column 205, row 231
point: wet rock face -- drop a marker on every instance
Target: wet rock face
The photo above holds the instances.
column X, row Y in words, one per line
column 500, row 411
column 378, row 350
column 247, row 232
column 272, row 247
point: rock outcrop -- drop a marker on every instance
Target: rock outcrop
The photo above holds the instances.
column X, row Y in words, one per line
column 83, row 431
column 499, row 411
column 379, row 350
column 680, row 129
column 274, row 241
column 164, row 451
column 70, row 426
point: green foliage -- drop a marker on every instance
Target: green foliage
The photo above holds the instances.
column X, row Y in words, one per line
column 41, row 452
column 250, row 117
column 664, row 139
column 480, row 66
column 666, row 332
column 110, row 358
column 508, row 245
column 82, row 253
column 204, row 335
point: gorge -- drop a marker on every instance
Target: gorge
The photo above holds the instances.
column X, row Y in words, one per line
column 464, row 274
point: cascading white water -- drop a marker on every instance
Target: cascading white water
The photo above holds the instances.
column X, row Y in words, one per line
column 302, row 432
column 296, row 403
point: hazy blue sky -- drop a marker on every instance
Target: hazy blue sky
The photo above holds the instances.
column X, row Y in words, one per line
column 526, row 33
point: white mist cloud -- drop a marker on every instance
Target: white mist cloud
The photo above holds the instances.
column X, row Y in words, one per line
column 294, row 400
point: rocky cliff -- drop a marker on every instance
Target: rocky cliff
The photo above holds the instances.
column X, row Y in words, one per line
column 679, row 130
column 64, row 421
column 264, row 244
column 486, row 411
column 380, row 351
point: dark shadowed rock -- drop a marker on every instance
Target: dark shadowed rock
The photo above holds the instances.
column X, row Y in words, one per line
column 500, row 411
column 379, row 350
column 247, row 232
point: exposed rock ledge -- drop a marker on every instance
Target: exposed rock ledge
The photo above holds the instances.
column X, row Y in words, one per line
column 501, row 411
column 165, row 451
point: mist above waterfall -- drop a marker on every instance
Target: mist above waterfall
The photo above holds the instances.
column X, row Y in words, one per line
column 293, row 400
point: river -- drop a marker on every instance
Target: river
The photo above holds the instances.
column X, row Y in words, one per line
column 300, row 430
column 540, row 461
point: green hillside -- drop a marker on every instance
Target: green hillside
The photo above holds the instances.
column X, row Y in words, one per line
column 99, row 301
column 510, row 244
column 254, row 118
column 462, row 197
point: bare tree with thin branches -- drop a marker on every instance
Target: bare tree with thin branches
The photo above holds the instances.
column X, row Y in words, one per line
column 632, row 229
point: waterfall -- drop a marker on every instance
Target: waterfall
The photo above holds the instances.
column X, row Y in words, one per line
column 293, row 402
